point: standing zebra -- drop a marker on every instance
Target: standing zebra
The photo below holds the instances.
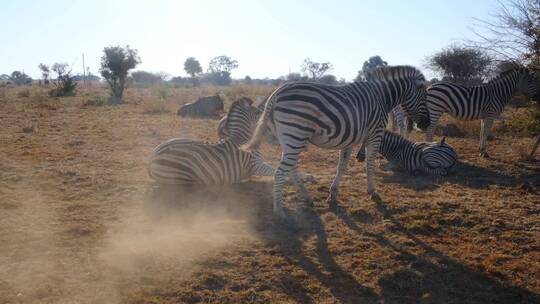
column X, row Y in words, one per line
column 484, row 102
column 432, row 158
column 338, row 117
column 188, row 162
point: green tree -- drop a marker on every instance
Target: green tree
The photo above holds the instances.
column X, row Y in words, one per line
column 20, row 78
column 459, row 64
column 193, row 67
column 371, row 63
column 219, row 70
column 115, row 65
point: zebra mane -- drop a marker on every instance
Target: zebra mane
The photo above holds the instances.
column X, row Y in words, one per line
column 513, row 71
column 394, row 72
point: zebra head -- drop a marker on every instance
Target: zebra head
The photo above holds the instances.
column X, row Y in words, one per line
column 408, row 89
column 528, row 84
column 241, row 120
column 439, row 158
column 257, row 165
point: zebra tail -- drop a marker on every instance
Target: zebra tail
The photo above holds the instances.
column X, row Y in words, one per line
column 257, row 137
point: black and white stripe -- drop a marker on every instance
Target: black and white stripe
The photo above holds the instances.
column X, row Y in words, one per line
column 244, row 121
column 188, row 162
column 432, row 158
column 338, row 117
column 485, row 102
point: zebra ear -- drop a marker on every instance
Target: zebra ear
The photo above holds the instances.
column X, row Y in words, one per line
column 442, row 140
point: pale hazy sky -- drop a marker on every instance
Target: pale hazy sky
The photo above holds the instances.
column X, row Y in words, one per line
column 268, row 38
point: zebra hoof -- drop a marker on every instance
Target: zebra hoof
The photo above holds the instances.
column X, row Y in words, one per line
column 332, row 203
column 484, row 154
column 376, row 197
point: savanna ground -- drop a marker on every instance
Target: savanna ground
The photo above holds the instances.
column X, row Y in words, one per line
column 81, row 222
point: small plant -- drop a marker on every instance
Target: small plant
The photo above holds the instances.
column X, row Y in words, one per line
column 65, row 83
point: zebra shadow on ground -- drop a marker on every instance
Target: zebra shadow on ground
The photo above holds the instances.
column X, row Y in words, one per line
column 428, row 275
column 465, row 174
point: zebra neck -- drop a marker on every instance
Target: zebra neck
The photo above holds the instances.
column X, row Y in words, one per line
column 503, row 89
column 392, row 145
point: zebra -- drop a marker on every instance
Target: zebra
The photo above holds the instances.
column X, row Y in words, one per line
column 534, row 147
column 485, row 101
column 247, row 119
column 432, row 158
column 189, row 162
column 396, row 117
column 338, row 117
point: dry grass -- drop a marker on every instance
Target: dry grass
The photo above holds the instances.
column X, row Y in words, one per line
column 81, row 223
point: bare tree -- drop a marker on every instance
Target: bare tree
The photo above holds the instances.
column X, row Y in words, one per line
column 315, row 70
column 45, row 71
column 512, row 33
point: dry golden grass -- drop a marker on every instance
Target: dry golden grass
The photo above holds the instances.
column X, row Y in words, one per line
column 81, row 222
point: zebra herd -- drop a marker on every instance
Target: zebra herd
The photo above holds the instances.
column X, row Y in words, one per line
column 338, row 118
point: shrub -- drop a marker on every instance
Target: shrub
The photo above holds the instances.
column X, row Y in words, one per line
column 65, row 83
column 115, row 65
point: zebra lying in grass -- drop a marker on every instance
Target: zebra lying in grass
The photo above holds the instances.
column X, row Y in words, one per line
column 190, row 162
column 432, row 158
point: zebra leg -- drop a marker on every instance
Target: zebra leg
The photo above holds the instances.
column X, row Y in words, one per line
column 372, row 146
column 535, row 146
column 289, row 159
column 298, row 182
column 434, row 118
column 484, row 133
column 344, row 156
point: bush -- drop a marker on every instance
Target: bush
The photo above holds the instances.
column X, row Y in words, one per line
column 65, row 83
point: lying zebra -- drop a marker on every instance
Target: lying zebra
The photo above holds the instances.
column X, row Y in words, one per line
column 432, row 158
column 190, row 162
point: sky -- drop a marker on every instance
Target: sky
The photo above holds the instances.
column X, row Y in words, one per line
column 267, row 38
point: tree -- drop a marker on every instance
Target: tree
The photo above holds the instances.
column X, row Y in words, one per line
column 219, row 70
column 65, row 83
column 193, row 68
column 371, row 63
column 20, row 78
column 221, row 64
column 464, row 65
column 315, row 70
column 115, row 65
column 45, row 71
column 513, row 33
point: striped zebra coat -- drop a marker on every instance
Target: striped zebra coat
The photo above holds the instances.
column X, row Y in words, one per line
column 338, row 117
column 190, row 162
column 431, row 158
column 485, row 102
column 246, row 119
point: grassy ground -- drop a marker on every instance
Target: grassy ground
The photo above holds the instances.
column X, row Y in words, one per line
column 80, row 221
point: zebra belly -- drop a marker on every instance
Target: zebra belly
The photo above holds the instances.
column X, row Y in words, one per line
column 194, row 165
